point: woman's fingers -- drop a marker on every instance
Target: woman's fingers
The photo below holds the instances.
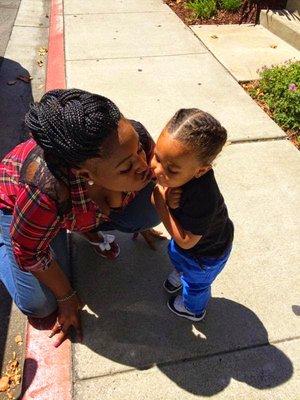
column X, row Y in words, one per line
column 150, row 236
column 149, row 239
column 62, row 336
column 56, row 329
column 157, row 234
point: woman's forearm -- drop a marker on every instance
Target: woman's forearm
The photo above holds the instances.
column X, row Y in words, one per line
column 55, row 279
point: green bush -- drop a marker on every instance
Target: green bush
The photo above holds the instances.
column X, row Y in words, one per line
column 203, row 8
column 279, row 87
column 230, row 5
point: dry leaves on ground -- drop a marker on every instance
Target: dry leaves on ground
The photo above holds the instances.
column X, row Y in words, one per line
column 12, row 377
column 42, row 52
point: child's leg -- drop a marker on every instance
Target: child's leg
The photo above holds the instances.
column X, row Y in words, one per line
column 197, row 280
column 175, row 256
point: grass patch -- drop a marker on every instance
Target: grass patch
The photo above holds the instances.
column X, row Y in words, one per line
column 230, row 5
column 203, row 8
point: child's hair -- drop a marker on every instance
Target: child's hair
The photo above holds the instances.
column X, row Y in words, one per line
column 199, row 131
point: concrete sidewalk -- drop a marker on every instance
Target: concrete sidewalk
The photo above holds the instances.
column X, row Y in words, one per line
column 138, row 53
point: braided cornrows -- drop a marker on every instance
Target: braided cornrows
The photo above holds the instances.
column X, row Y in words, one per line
column 200, row 131
column 70, row 125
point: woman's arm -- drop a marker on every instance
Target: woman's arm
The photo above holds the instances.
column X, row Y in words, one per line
column 35, row 223
column 184, row 239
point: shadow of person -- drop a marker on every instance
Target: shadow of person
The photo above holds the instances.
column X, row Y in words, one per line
column 15, row 98
column 126, row 321
column 30, row 366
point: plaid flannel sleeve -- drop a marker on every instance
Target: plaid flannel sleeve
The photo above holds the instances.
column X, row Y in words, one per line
column 35, row 223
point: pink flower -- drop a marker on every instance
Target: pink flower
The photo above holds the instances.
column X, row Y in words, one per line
column 293, row 87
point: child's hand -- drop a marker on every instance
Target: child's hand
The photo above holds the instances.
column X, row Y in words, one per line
column 173, row 196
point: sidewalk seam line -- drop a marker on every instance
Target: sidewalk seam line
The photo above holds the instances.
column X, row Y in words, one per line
column 121, row 12
column 189, row 359
column 32, row 26
column 129, row 57
column 268, row 139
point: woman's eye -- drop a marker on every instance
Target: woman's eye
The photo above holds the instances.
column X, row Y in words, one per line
column 125, row 171
column 172, row 172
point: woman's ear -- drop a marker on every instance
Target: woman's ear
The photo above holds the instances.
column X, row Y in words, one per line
column 81, row 173
column 202, row 170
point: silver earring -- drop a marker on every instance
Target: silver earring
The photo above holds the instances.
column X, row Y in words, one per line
column 90, row 183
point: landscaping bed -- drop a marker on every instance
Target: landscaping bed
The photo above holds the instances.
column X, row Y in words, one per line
column 248, row 12
column 278, row 94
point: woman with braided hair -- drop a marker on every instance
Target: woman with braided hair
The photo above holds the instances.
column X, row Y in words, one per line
column 85, row 168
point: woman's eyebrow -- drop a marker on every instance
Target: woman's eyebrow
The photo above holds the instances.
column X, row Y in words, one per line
column 125, row 159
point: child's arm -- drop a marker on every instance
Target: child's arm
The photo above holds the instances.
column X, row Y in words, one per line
column 184, row 239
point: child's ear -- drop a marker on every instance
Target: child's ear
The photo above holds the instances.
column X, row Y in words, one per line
column 202, row 170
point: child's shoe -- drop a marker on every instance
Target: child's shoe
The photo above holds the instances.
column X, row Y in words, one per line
column 173, row 283
column 177, row 307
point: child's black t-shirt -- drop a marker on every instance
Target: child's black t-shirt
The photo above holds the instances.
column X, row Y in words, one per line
column 203, row 212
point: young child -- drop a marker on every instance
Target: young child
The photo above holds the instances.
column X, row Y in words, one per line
column 189, row 202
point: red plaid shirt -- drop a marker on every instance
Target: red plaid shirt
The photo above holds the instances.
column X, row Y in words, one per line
column 36, row 220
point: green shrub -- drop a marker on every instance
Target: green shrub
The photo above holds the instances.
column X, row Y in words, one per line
column 230, row 5
column 203, row 8
column 280, row 89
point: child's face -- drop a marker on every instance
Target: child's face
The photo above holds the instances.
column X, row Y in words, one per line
column 173, row 163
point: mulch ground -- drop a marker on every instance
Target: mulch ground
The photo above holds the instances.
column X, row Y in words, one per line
column 294, row 136
column 246, row 14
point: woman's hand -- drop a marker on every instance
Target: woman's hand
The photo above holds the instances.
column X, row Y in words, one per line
column 173, row 196
column 151, row 236
column 68, row 316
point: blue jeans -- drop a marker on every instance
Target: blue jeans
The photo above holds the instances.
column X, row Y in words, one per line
column 35, row 299
column 196, row 276
column 30, row 296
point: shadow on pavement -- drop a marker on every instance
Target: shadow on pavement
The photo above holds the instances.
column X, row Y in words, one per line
column 15, row 99
column 128, row 322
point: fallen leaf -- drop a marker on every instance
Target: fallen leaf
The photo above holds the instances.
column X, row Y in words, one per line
column 10, row 83
column 214, row 37
column 273, row 46
column 18, row 339
column 4, row 383
column 42, row 51
column 24, row 78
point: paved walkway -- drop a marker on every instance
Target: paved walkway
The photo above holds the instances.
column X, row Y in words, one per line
column 138, row 53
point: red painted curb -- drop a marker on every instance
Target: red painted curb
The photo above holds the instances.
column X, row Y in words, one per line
column 47, row 370
column 56, row 76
